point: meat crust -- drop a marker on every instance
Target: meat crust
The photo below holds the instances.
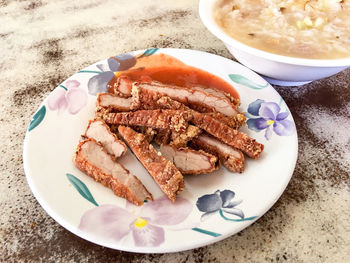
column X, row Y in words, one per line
column 143, row 98
column 166, row 175
column 231, row 158
column 218, row 129
column 180, row 139
column 158, row 119
column 122, row 86
column 228, row 135
column 190, row 161
column 192, row 96
column 91, row 158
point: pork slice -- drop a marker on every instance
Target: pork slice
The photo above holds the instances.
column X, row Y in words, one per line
column 165, row 174
column 158, row 119
column 122, row 86
column 228, row 135
column 99, row 131
column 91, row 158
column 192, row 97
column 189, row 161
column 231, row 158
column 219, row 93
column 113, row 102
column 150, row 100
column 218, row 129
column 233, row 122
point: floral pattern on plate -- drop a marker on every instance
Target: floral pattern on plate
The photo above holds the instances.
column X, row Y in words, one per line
column 99, row 82
column 69, row 97
column 268, row 116
column 147, row 224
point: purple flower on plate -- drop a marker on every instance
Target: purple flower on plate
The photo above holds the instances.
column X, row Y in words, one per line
column 69, row 97
column 144, row 224
column 98, row 83
column 219, row 202
column 267, row 116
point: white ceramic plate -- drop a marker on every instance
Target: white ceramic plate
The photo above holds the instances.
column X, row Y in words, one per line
column 211, row 208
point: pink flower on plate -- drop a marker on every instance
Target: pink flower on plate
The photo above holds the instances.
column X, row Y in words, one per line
column 70, row 97
column 144, row 224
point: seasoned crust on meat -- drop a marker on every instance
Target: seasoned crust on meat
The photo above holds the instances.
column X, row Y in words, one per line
column 231, row 158
column 158, row 119
column 143, row 98
column 190, row 161
column 99, row 131
column 218, row 129
column 180, row 139
column 192, row 97
column 228, row 135
column 91, row 158
column 122, row 86
column 166, row 175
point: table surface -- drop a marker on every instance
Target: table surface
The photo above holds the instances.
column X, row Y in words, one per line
column 44, row 42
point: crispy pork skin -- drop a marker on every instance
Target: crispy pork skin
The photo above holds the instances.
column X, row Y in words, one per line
column 91, row 158
column 192, row 97
column 166, row 175
column 189, row 161
column 158, row 119
column 180, row 139
column 232, row 158
column 99, row 130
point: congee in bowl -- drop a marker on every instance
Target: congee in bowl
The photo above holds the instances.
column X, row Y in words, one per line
column 311, row 29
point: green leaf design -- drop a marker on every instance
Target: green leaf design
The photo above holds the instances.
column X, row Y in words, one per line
column 90, row 71
column 236, row 220
column 203, row 231
column 37, row 118
column 149, row 52
column 246, row 82
column 82, row 188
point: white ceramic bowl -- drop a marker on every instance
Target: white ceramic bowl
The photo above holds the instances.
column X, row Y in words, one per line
column 282, row 70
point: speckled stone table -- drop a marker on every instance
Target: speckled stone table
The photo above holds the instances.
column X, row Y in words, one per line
column 44, row 42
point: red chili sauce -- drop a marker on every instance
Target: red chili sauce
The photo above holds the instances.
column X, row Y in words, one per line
column 169, row 70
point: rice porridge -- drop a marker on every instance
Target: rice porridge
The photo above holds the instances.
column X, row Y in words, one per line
column 318, row 29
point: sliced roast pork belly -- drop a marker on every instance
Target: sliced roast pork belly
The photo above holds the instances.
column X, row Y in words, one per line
column 218, row 129
column 122, row 86
column 113, row 102
column 166, row 175
column 148, row 100
column 91, row 158
column 219, row 93
column 190, row 161
column 232, row 158
column 193, row 97
column 99, row 130
column 228, row 135
column 158, row 119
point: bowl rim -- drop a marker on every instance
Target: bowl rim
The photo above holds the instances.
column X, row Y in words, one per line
column 205, row 7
